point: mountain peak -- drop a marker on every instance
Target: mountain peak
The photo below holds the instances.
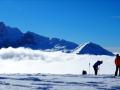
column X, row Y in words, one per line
column 93, row 49
column 2, row 26
column 13, row 37
column 80, row 47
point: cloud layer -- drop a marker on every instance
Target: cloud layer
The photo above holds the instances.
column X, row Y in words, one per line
column 24, row 60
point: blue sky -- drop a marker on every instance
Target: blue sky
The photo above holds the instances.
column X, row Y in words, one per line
column 78, row 21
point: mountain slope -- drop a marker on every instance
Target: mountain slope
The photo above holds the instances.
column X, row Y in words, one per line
column 92, row 48
column 9, row 36
column 13, row 37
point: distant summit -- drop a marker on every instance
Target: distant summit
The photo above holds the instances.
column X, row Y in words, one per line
column 93, row 49
column 13, row 37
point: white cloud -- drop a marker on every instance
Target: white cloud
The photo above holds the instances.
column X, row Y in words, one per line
column 22, row 60
column 114, row 49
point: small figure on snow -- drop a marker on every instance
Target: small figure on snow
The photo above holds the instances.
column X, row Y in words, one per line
column 84, row 72
column 96, row 66
column 117, row 63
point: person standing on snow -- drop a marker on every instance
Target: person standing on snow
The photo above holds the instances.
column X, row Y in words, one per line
column 96, row 66
column 117, row 63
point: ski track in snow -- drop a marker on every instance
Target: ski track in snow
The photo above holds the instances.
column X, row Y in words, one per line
column 58, row 82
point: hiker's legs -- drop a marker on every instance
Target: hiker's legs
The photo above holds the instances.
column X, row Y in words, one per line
column 119, row 70
column 95, row 70
column 116, row 70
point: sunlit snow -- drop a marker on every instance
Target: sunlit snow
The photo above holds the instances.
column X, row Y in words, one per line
column 23, row 60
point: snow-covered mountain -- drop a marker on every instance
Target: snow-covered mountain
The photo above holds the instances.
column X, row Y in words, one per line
column 13, row 37
column 9, row 36
column 92, row 48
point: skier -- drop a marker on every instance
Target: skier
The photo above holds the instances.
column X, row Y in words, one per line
column 117, row 63
column 96, row 66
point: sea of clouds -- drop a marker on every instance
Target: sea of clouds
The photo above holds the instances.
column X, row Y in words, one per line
column 25, row 60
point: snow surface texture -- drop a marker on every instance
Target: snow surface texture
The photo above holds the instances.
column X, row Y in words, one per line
column 21, row 60
column 58, row 82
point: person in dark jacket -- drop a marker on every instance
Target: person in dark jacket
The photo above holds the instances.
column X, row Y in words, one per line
column 96, row 66
column 117, row 63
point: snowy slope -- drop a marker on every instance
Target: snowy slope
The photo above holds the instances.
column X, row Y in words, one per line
column 92, row 48
column 80, row 47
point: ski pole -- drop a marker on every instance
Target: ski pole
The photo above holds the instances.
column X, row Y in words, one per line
column 89, row 67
